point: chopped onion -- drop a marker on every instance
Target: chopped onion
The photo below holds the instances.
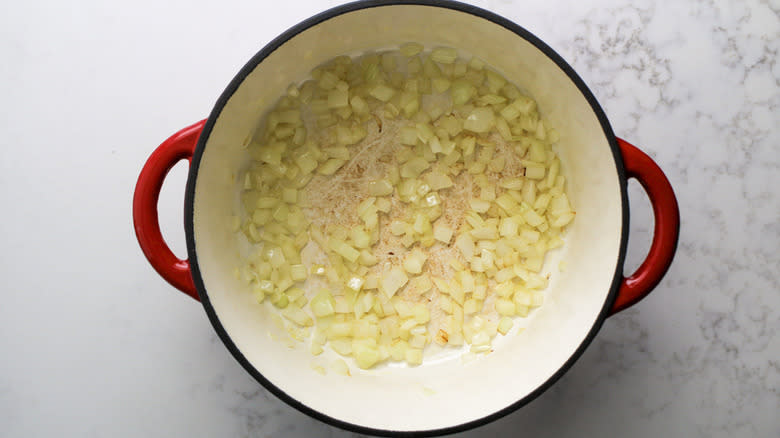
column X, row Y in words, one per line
column 444, row 55
column 382, row 92
column 393, row 280
column 414, row 356
column 411, row 49
column 343, row 249
column 453, row 115
column 414, row 167
column 480, row 120
column 382, row 187
column 413, row 263
column 442, row 232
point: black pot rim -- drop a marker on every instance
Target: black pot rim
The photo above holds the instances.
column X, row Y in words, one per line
column 233, row 86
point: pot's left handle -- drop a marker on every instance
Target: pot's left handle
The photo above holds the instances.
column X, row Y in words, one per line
column 179, row 146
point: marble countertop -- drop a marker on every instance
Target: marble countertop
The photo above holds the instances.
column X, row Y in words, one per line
column 94, row 343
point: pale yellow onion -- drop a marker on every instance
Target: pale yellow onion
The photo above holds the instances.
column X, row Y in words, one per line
column 522, row 219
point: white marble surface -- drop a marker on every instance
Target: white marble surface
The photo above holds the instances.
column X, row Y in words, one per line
column 94, row 343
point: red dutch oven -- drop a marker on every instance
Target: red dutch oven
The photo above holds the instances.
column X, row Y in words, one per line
column 443, row 395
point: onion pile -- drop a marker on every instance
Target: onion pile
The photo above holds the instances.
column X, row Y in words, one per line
column 399, row 199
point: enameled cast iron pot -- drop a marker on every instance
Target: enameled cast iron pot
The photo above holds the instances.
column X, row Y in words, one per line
column 443, row 395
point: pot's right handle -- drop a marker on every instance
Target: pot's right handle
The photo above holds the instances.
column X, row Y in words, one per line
column 667, row 227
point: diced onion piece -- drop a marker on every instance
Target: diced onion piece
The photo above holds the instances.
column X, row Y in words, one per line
column 432, row 199
column 340, row 152
column 266, row 202
column 471, row 306
column 504, row 325
column 491, row 99
column 413, row 356
column 485, row 233
column 424, row 132
column 468, row 144
column 355, row 283
column 322, row 304
column 494, row 80
column 371, row 219
column 398, row 349
column 559, row 205
column 480, row 292
column 421, row 314
column 537, row 299
column 529, row 235
column 383, row 205
column 532, row 218
column 341, row 346
column 480, row 338
column 331, row 166
column 367, row 258
column 503, row 129
column 479, row 205
column 442, row 232
column 504, row 275
column 466, row 246
column 563, row 220
column 360, row 238
column 522, row 298
column 290, row 195
column 441, row 284
column 414, row 261
column 510, row 113
column 508, row 227
column 461, row 91
column 542, row 201
column 298, row 272
column 393, row 280
column 481, row 120
column 505, row 307
column 328, row 80
column 297, row 315
column 350, row 135
column 414, row 167
column 397, row 228
column 365, row 356
column 339, row 329
column 358, row 105
column 535, row 172
column 466, row 281
column 421, row 224
column 488, row 193
column 338, row 98
column 420, row 284
column 343, row 249
column 534, row 264
column 435, row 145
column 382, row 92
column 524, row 104
column 407, row 136
column 437, row 181
column 444, row 55
column 411, row 49
column 440, row 85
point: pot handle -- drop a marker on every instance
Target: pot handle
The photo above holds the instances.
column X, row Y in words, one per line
column 179, row 146
column 665, row 235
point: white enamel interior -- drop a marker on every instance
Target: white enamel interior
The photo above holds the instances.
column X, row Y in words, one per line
column 445, row 393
